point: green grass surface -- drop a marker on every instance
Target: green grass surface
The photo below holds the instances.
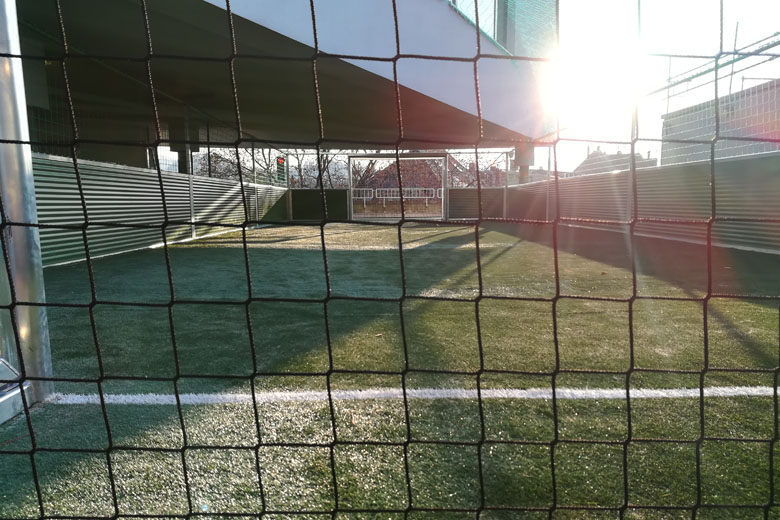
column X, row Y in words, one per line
column 234, row 335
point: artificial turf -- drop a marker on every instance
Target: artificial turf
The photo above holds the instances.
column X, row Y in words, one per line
column 429, row 306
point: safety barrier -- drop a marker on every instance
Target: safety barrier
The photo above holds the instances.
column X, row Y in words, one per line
column 126, row 207
column 676, row 201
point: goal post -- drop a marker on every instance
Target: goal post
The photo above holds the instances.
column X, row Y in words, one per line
column 423, row 186
column 23, row 326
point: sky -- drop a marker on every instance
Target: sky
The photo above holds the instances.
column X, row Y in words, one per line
column 613, row 52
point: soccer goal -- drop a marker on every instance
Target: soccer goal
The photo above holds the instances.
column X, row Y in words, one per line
column 25, row 362
column 391, row 187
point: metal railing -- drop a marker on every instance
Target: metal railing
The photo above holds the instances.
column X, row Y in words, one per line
column 409, row 193
column 363, row 193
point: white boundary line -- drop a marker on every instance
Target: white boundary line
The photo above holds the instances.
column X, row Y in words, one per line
column 413, row 393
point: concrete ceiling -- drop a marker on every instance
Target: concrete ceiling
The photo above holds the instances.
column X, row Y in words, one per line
column 274, row 81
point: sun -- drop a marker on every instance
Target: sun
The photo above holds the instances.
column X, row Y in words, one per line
column 594, row 78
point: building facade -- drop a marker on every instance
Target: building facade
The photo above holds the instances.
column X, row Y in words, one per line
column 602, row 162
column 747, row 120
column 522, row 27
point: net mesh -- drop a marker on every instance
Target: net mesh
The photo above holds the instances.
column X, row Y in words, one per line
column 452, row 423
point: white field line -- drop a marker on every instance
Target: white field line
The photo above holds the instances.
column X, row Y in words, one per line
column 413, row 393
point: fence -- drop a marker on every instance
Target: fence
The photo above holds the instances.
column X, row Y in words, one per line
column 409, row 193
column 125, row 210
column 676, row 198
column 745, row 188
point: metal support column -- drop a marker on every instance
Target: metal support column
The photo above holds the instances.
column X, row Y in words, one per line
column 506, row 179
column 289, row 193
column 22, row 241
column 254, row 181
column 193, row 231
column 349, row 188
column 630, row 192
column 189, row 170
column 547, row 184
column 445, row 190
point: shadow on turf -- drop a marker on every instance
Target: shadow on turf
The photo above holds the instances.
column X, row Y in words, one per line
column 127, row 332
column 683, row 265
column 219, row 273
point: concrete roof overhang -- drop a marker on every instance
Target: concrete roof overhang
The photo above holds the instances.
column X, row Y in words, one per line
column 267, row 88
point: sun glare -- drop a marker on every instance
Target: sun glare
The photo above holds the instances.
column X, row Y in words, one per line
column 593, row 95
column 595, row 78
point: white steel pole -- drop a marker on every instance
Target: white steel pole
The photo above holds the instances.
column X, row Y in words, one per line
column 193, row 232
column 289, row 193
column 21, row 238
column 506, row 179
column 254, row 181
column 445, row 183
column 349, row 188
column 547, row 185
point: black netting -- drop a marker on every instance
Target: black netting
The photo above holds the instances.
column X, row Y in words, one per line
column 571, row 351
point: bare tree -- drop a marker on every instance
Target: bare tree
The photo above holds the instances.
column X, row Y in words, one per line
column 364, row 173
column 463, row 168
column 256, row 164
column 310, row 170
column 329, row 168
column 297, row 158
column 383, row 173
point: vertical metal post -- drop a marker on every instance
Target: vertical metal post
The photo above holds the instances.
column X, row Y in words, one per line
column 506, row 179
column 445, row 185
column 190, row 171
column 254, row 181
column 23, row 241
column 630, row 193
column 350, row 209
column 192, row 204
column 208, row 146
column 193, row 231
column 289, row 192
column 547, row 185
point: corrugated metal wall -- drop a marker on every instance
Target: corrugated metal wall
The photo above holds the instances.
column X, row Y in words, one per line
column 118, row 198
column 125, row 206
column 745, row 188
